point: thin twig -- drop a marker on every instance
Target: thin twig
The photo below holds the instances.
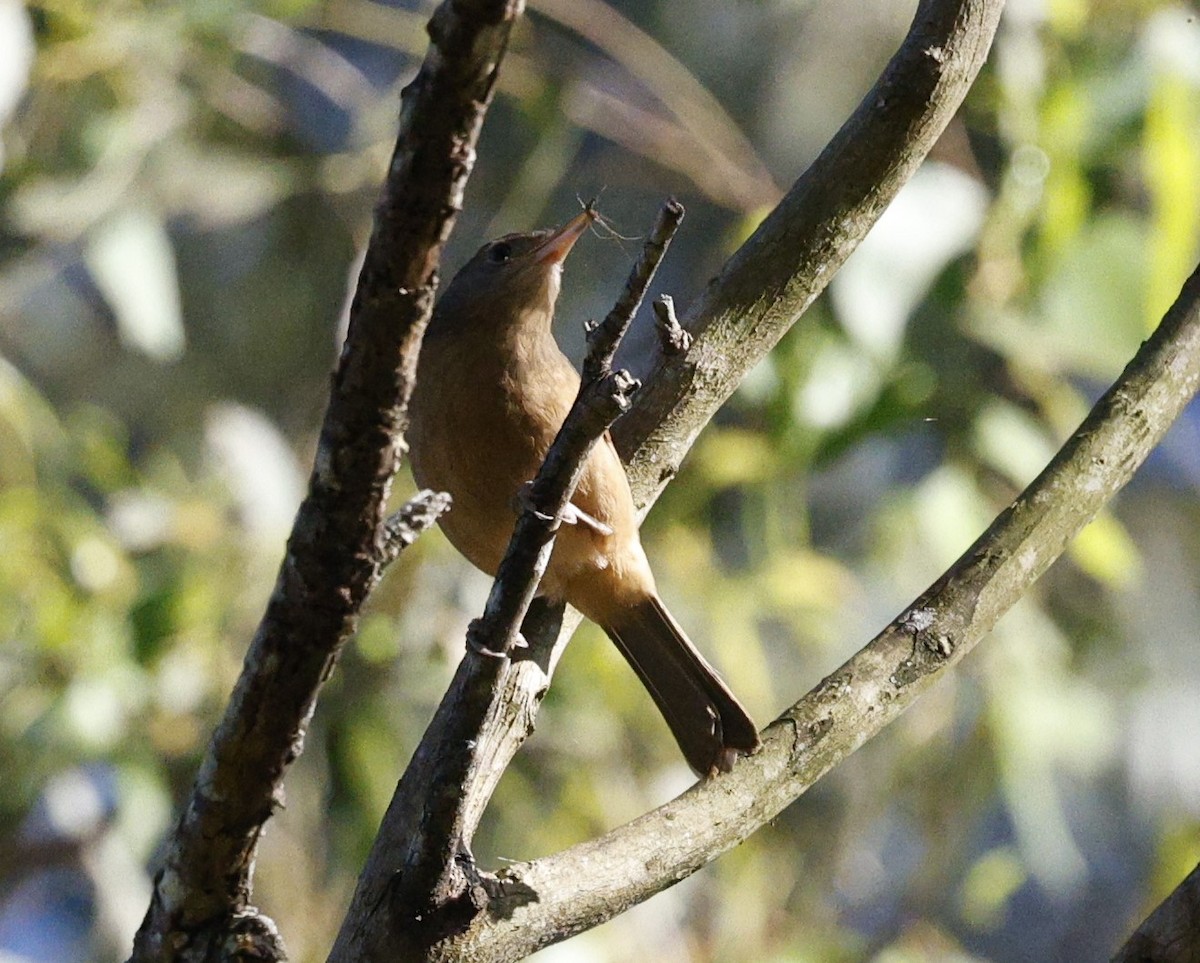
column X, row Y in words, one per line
column 421, row 858
column 603, row 397
column 754, row 300
column 599, row 403
column 404, row 526
column 604, row 338
column 771, row 279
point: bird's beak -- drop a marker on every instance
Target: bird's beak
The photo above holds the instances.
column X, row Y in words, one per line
column 557, row 246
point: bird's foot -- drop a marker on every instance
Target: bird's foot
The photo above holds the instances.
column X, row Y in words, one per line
column 474, row 644
column 572, row 514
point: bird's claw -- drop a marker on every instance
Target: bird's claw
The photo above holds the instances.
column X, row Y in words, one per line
column 525, row 503
column 476, row 646
column 572, row 514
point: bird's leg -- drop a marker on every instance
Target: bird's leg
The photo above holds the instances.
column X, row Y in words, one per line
column 572, row 514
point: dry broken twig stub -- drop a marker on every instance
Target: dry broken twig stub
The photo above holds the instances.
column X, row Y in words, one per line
column 672, row 338
column 409, row 522
column 605, row 337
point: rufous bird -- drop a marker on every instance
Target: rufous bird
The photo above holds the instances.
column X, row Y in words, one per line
column 492, row 390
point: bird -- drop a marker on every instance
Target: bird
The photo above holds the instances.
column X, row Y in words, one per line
column 491, row 392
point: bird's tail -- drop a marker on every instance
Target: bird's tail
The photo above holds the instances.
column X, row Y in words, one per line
column 706, row 719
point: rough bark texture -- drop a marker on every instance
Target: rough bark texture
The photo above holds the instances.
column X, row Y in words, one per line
column 337, row 544
column 1171, row 934
column 769, row 282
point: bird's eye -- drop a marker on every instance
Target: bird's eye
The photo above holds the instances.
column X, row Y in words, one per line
column 499, row 252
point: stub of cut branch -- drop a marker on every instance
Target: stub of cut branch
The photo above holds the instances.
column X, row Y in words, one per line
column 405, row 526
column 604, row 338
column 672, row 338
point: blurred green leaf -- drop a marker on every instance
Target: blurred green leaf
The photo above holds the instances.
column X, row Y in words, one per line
column 1107, row 553
column 731, row 456
column 990, row 886
column 1172, row 160
column 1012, row 442
column 132, row 261
column 212, row 167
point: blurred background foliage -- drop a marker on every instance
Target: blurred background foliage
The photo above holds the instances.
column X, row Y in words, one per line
column 185, row 187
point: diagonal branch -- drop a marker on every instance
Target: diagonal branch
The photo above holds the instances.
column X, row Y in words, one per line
column 420, row 870
column 604, row 395
column 405, row 526
column 551, row 899
column 336, row 546
column 772, row 279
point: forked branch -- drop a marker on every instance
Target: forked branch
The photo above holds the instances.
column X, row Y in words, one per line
column 420, row 871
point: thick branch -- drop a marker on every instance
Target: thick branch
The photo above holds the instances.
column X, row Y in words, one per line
column 1171, row 934
column 554, row 898
column 768, row 283
column 335, row 550
column 420, row 882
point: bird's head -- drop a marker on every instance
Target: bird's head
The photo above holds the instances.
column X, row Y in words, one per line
column 513, row 276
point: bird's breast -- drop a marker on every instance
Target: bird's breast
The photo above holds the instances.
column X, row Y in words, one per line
column 481, row 421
